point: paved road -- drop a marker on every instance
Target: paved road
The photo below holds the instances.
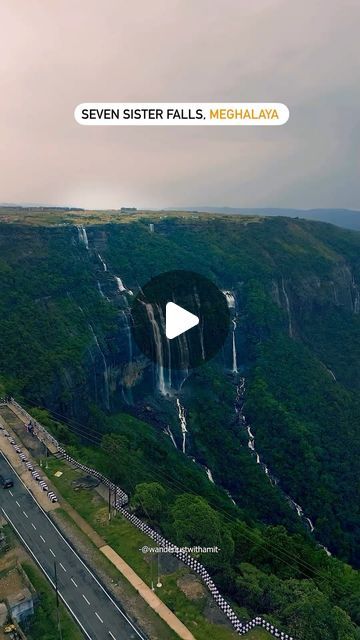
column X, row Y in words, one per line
column 92, row 607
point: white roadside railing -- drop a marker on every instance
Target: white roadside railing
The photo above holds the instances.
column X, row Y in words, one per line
column 121, row 499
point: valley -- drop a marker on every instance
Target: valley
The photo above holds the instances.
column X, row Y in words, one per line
column 266, row 435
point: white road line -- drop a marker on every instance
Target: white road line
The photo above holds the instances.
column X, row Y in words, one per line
column 43, row 539
column 112, row 635
column 85, row 598
column 73, row 581
column 32, row 524
column 98, row 617
column 51, row 551
column 62, row 566
column 17, row 503
column 44, row 571
column 11, row 493
column 128, row 620
column 25, row 514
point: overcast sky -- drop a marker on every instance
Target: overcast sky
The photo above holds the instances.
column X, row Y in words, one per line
column 58, row 53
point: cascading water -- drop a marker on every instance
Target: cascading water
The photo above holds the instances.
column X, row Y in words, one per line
column 169, row 433
column 163, row 326
column 106, row 373
column 126, row 318
column 330, row 372
column 159, row 350
column 83, row 239
column 120, row 285
column 102, row 262
column 240, row 392
column 200, row 325
column 357, row 302
column 230, row 299
column 209, row 475
column 183, row 425
column 234, row 355
column 101, row 292
column 231, row 302
column 288, row 308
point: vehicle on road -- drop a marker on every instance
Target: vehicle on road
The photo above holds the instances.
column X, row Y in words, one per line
column 6, row 482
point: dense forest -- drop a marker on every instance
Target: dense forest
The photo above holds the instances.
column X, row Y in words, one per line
column 65, row 347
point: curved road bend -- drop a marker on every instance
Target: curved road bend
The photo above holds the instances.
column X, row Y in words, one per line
column 90, row 604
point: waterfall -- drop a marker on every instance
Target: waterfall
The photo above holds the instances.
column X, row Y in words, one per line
column 356, row 298
column 120, row 285
column 102, row 262
column 83, row 239
column 234, row 355
column 159, row 349
column 169, row 433
column 312, row 528
column 151, row 227
column 128, row 332
column 209, row 475
column 182, row 419
column 201, row 324
column 240, row 391
column 230, row 496
column 184, row 352
column 230, row 299
column 329, row 371
column 106, row 373
column 163, row 325
column 231, row 303
column 288, row 309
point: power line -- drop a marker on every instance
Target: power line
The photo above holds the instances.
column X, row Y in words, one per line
column 298, row 563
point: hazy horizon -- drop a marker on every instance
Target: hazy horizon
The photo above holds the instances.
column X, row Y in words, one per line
column 303, row 55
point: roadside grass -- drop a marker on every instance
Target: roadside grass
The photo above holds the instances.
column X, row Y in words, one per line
column 104, row 565
column 44, row 622
column 126, row 540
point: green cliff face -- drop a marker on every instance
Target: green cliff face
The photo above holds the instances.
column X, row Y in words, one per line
column 65, row 344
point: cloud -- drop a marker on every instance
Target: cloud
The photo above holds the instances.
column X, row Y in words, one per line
column 61, row 54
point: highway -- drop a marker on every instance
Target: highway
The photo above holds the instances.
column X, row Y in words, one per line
column 99, row 617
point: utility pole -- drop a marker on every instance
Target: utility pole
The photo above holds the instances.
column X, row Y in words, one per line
column 109, row 502
column 57, row 602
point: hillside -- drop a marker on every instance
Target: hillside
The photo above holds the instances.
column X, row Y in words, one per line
column 347, row 218
column 290, row 373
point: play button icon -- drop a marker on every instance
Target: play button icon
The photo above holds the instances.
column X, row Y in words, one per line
column 178, row 320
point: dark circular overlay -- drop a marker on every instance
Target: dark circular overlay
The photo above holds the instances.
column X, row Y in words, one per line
column 196, row 294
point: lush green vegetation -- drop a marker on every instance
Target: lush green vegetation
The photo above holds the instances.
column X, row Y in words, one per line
column 128, row 541
column 44, row 623
column 290, row 277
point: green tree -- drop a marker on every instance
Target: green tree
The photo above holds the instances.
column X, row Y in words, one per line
column 149, row 499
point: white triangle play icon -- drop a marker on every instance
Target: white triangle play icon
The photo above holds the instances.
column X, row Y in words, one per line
column 178, row 320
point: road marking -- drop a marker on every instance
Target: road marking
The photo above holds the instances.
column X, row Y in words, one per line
column 73, row 581
column 85, row 598
column 97, row 615
column 25, row 514
column 43, row 539
column 62, row 566
column 11, row 493
column 51, row 551
column 44, row 570
column 112, row 635
column 32, row 524
column 128, row 620
column 17, row 503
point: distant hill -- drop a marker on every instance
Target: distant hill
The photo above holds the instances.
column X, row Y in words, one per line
column 347, row 218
